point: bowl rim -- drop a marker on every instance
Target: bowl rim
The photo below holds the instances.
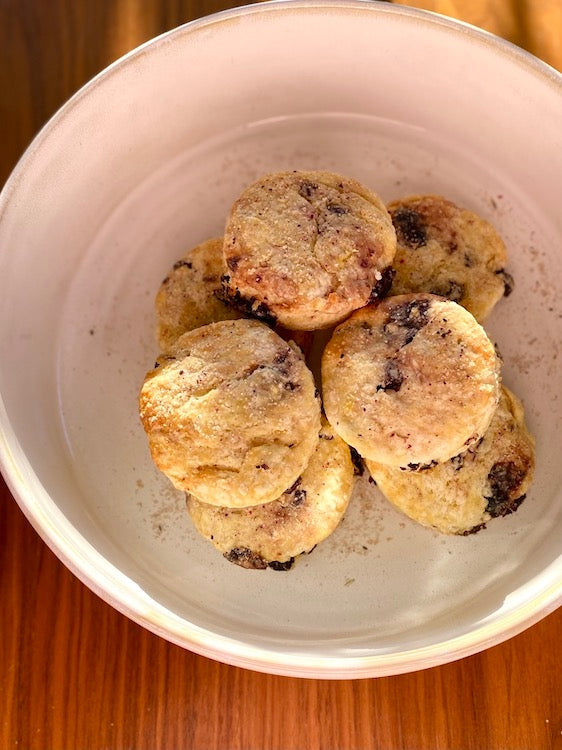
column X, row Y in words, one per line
column 123, row 594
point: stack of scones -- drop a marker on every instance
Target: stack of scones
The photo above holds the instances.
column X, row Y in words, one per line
column 408, row 382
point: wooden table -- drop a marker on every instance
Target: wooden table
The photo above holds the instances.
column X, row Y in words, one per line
column 76, row 674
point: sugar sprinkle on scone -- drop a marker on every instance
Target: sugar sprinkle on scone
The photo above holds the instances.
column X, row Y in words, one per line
column 272, row 535
column 461, row 495
column 231, row 413
column 187, row 297
column 447, row 250
column 308, row 247
column 413, row 380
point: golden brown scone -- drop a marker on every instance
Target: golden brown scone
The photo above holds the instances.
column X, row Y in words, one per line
column 187, row 297
column 231, row 413
column 412, row 380
column 461, row 495
column 309, row 247
column 275, row 533
column 449, row 251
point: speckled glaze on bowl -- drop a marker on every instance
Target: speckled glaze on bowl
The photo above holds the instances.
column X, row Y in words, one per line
column 143, row 163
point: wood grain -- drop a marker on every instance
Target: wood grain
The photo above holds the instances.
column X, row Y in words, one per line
column 74, row 673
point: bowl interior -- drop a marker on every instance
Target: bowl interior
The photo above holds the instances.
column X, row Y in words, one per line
column 144, row 163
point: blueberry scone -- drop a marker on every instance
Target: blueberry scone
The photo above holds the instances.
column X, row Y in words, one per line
column 188, row 296
column 308, row 248
column 411, row 381
column 449, row 251
column 305, row 514
column 231, row 413
column 461, row 495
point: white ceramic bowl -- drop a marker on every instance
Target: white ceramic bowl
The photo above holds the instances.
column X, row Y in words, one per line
column 143, row 163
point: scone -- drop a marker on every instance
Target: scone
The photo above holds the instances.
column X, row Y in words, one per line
column 309, row 247
column 449, row 251
column 413, row 380
column 461, row 495
column 275, row 533
column 188, row 298
column 231, row 413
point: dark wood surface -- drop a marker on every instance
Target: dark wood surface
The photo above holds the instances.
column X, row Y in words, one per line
column 74, row 673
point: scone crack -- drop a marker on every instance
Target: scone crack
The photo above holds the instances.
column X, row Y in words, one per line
column 322, row 215
column 271, row 441
column 318, row 225
column 205, row 468
column 275, row 367
column 280, row 368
